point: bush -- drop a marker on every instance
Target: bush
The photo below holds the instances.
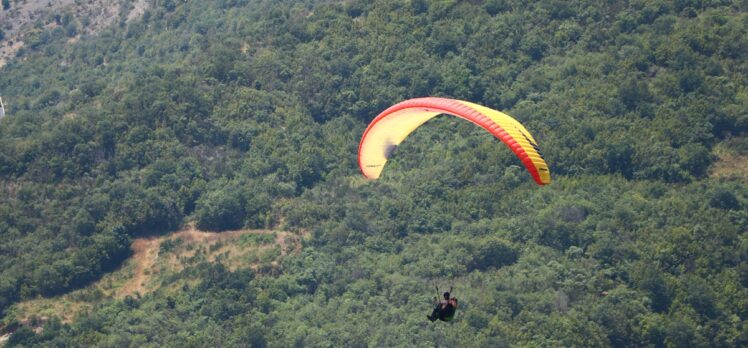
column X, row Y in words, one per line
column 220, row 210
column 493, row 252
column 723, row 198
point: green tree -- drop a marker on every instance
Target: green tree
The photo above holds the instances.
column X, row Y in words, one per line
column 220, row 210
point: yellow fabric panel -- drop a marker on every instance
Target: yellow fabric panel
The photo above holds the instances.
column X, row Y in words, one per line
column 516, row 130
column 387, row 133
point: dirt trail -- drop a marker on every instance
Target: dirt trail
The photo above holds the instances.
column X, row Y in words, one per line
column 149, row 264
column 146, row 251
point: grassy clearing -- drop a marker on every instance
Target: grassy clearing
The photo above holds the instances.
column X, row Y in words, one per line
column 156, row 263
column 732, row 160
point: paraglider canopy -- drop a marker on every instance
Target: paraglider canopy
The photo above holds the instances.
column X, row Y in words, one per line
column 393, row 125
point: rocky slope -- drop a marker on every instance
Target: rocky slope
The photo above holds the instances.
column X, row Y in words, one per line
column 25, row 18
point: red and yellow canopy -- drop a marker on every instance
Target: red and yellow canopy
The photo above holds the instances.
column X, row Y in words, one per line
column 393, row 125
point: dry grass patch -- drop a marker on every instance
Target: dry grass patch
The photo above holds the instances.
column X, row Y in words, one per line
column 156, row 262
column 732, row 162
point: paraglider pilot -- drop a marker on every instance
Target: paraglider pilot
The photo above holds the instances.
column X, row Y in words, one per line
column 445, row 309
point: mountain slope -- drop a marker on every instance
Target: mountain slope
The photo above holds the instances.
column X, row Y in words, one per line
column 247, row 114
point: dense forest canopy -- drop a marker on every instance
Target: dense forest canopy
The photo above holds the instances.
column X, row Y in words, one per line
column 247, row 114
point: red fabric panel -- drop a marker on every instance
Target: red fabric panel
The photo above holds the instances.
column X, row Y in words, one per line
column 456, row 108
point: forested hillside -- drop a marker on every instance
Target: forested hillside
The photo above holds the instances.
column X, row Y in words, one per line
column 247, row 114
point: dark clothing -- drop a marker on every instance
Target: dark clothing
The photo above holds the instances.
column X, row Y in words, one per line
column 444, row 311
